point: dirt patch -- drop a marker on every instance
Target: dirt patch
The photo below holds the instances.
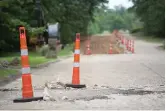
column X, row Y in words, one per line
column 101, row 44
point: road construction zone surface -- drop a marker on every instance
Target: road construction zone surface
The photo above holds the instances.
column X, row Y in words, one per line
column 101, row 44
column 116, row 78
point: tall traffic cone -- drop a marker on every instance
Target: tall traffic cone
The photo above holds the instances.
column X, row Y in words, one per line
column 27, row 90
column 76, row 65
column 110, row 49
column 122, row 40
column 126, row 42
column 132, row 46
column 129, row 45
column 88, row 51
column 124, row 45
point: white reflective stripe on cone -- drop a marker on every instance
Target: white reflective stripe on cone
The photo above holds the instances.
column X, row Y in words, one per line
column 26, row 70
column 76, row 64
column 24, row 52
column 77, row 51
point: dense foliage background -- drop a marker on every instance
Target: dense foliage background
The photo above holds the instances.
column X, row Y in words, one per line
column 152, row 14
column 73, row 16
column 84, row 16
column 110, row 19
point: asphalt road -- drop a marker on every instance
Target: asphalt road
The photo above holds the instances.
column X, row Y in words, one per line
column 120, row 81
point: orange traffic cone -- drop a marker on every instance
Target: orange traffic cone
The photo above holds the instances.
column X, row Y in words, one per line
column 132, row 46
column 76, row 69
column 27, row 90
column 129, row 45
column 110, row 50
column 126, row 42
column 122, row 40
column 88, row 51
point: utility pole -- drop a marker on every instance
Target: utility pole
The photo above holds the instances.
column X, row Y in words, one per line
column 38, row 13
column 39, row 19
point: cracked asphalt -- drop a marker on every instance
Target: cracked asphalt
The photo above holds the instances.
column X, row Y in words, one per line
column 120, row 81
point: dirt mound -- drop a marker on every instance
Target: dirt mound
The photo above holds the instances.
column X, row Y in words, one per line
column 101, row 44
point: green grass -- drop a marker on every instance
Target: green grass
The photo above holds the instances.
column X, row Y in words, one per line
column 66, row 51
column 34, row 59
column 6, row 72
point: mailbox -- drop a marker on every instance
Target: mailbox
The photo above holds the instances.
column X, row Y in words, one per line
column 54, row 31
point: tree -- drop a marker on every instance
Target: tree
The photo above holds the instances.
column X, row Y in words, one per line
column 110, row 19
column 73, row 16
column 152, row 14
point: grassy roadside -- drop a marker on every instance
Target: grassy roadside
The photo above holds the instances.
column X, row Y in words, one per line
column 34, row 59
column 66, row 51
column 153, row 39
column 6, row 72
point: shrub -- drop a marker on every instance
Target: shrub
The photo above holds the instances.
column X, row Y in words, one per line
column 44, row 50
column 51, row 54
column 4, row 64
column 136, row 30
column 48, row 51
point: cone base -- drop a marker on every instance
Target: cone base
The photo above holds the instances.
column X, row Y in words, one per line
column 19, row 100
column 76, row 85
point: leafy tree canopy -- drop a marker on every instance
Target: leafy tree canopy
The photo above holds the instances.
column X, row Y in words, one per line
column 152, row 14
column 73, row 16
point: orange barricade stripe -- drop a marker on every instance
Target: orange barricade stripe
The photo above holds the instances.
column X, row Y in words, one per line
column 24, row 61
column 76, row 58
